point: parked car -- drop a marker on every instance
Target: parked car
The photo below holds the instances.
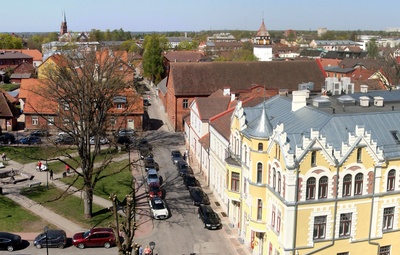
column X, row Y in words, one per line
column 198, row 196
column 102, row 140
column 55, row 238
column 155, row 190
column 176, row 156
column 145, row 152
column 152, row 176
column 9, row 241
column 158, row 208
column 31, row 140
column 124, row 140
column 65, row 139
column 146, row 102
column 149, row 163
column 190, row 181
column 183, row 168
column 95, row 237
column 7, row 138
column 126, row 132
column 210, row 218
column 40, row 132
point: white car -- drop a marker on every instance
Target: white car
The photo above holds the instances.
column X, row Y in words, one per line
column 158, row 208
column 152, row 176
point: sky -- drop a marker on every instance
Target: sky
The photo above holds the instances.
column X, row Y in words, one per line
column 195, row 15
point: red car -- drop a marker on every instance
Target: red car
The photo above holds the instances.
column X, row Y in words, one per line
column 155, row 190
column 94, row 237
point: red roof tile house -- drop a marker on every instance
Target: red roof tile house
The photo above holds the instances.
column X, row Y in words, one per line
column 42, row 113
column 186, row 81
column 11, row 59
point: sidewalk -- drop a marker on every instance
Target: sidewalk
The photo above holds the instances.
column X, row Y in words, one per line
column 144, row 226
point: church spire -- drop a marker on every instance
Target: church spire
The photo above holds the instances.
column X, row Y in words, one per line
column 64, row 28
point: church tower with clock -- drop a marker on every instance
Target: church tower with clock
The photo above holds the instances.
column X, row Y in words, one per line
column 262, row 44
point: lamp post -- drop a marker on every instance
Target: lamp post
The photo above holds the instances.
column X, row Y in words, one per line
column 152, row 245
column 46, row 229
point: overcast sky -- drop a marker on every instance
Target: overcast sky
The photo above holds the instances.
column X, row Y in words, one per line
column 195, row 15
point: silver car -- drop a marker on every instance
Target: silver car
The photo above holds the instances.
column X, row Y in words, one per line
column 152, row 176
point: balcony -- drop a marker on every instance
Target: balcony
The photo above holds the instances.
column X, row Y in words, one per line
column 232, row 158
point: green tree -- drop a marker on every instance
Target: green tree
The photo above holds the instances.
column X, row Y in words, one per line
column 186, row 45
column 152, row 58
column 372, row 49
column 10, row 42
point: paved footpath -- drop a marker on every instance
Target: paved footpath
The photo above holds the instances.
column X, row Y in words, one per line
column 11, row 191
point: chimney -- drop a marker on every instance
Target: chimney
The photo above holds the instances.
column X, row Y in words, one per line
column 298, row 99
column 227, row 91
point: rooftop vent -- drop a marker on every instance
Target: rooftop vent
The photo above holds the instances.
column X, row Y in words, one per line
column 378, row 101
column 364, row 101
column 346, row 100
column 321, row 102
column 363, row 88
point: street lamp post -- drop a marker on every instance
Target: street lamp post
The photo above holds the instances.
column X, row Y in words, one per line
column 46, row 230
column 152, row 245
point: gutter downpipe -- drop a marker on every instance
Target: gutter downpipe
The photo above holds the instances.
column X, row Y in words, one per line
column 372, row 211
column 334, row 213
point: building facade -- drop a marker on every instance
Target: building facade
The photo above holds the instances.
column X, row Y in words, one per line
column 302, row 178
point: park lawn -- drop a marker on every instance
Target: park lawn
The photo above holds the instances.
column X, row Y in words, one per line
column 69, row 206
column 14, row 218
column 59, row 167
column 25, row 154
column 119, row 182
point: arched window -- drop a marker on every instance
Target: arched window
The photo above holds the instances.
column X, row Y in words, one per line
column 279, row 182
column 274, row 179
column 259, row 172
column 313, row 158
column 391, row 180
column 358, row 184
column 323, row 187
column 346, row 185
column 260, row 146
column 310, row 193
column 245, row 154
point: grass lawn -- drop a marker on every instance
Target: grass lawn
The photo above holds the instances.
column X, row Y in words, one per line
column 69, row 206
column 119, row 182
column 25, row 154
column 58, row 166
column 14, row 218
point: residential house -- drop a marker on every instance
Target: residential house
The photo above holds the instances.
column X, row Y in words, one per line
column 333, row 45
column 173, row 42
column 185, row 81
column 22, row 71
column 9, row 112
column 9, row 59
column 303, row 178
column 202, row 109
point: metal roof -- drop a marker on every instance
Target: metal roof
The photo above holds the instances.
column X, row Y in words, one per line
column 380, row 122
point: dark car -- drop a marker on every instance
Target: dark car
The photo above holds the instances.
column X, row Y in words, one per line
column 40, row 132
column 155, row 190
column 55, row 238
column 124, row 139
column 126, row 132
column 210, row 218
column 9, row 241
column 198, row 196
column 64, row 139
column 31, row 140
column 183, row 168
column 95, row 237
column 190, row 181
column 150, row 163
column 146, row 102
column 7, row 138
column 176, row 156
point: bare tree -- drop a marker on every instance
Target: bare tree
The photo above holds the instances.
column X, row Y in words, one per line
column 85, row 87
column 389, row 68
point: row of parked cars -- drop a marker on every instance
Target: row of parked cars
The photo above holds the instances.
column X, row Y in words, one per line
column 158, row 206
column 55, row 238
column 209, row 217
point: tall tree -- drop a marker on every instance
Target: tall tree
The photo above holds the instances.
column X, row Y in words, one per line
column 10, row 42
column 372, row 49
column 152, row 58
column 83, row 87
